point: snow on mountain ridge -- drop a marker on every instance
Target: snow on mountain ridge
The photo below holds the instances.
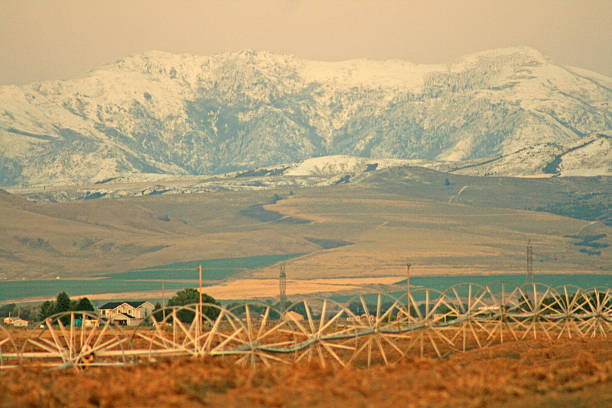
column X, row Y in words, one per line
column 348, row 73
column 326, row 166
column 158, row 112
column 569, row 160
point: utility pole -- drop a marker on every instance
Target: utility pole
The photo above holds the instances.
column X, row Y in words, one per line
column 408, row 288
column 200, row 306
column 282, row 283
column 164, row 300
column 529, row 266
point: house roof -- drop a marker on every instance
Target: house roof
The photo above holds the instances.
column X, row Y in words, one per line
column 113, row 305
column 13, row 319
column 122, row 316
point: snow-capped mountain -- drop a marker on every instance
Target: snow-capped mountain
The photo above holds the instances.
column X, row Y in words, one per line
column 184, row 114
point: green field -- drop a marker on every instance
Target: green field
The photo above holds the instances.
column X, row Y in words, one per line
column 494, row 282
column 146, row 279
column 213, row 269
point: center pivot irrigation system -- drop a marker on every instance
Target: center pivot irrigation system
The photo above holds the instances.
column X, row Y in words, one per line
column 362, row 331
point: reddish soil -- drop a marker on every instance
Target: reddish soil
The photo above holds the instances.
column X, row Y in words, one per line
column 564, row 373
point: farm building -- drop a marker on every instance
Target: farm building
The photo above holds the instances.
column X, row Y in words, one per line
column 126, row 313
column 15, row 321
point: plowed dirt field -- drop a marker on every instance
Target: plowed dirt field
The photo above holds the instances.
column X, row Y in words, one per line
column 530, row 373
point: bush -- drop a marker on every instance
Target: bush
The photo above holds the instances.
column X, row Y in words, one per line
column 190, row 296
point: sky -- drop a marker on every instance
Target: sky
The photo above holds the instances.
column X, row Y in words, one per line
column 60, row 39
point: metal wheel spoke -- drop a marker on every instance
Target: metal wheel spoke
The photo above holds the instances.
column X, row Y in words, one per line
column 360, row 349
column 444, row 338
column 381, row 349
column 44, row 347
column 329, row 349
column 321, row 356
column 433, row 343
column 393, row 345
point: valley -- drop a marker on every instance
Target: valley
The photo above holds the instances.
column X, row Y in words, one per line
column 370, row 227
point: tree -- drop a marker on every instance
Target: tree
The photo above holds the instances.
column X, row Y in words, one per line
column 190, row 296
column 158, row 313
column 186, row 296
column 239, row 310
column 5, row 310
column 84, row 305
column 27, row 312
column 46, row 309
column 357, row 308
column 62, row 302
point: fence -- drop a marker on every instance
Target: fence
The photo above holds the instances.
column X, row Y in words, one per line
column 363, row 330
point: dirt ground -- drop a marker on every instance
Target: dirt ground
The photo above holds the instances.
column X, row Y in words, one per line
column 566, row 373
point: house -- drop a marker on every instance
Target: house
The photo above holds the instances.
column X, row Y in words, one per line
column 15, row 321
column 489, row 308
column 91, row 323
column 126, row 313
column 363, row 318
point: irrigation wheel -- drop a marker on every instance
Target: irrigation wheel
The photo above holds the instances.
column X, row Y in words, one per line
column 432, row 321
column 172, row 332
column 177, row 330
column 475, row 309
column 76, row 339
column 597, row 307
column 321, row 332
column 379, row 331
column 532, row 309
column 570, row 303
column 9, row 357
column 261, row 336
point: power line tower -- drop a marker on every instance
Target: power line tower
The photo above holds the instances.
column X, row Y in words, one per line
column 529, row 272
column 282, row 283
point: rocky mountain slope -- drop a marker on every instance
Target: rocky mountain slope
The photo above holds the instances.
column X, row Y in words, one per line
column 183, row 114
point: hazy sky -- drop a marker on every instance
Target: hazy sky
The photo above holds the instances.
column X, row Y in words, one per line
column 56, row 39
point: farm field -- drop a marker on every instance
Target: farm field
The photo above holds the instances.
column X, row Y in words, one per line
column 535, row 373
column 366, row 228
column 145, row 281
column 121, row 286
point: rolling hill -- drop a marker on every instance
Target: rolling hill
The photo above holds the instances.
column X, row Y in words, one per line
column 506, row 112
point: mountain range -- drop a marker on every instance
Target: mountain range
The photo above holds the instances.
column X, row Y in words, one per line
column 505, row 112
